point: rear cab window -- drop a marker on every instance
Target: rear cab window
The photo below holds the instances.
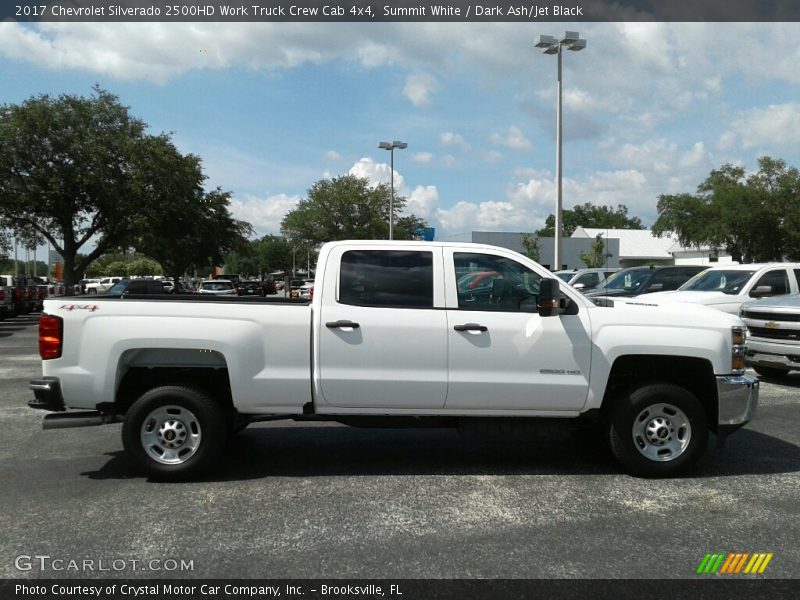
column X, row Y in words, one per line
column 386, row 278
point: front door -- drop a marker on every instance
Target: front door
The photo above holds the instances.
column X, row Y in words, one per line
column 502, row 354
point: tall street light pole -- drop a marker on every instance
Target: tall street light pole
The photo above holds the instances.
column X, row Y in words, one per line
column 390, row 146
column 550, row 45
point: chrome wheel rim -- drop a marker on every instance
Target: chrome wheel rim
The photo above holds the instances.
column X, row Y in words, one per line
column 171, row 435
column 661, row 432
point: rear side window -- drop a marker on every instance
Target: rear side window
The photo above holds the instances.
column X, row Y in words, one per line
column 387, row 278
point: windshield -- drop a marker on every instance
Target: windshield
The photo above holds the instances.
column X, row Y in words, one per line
column 727, row 282
column 565, row 276
column 627, row 280
column 217, row 286
column 117, row 288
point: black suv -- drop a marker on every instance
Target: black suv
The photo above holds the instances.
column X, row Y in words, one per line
column 125, row 287
column 644, row 280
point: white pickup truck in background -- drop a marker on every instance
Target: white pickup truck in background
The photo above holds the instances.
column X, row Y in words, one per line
column 394, row 338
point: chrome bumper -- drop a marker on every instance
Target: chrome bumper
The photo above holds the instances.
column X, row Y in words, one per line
column 738, row 399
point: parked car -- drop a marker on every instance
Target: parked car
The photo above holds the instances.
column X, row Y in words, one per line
column 773, row 335
column 217, row 287
column 727, row 287
column 294, row 287
column 6, row 296
column 250, row 288
column 125, row 287
column 635, row 281
column 102, row 286
column 23, row 293
column 270, row 287
column 585, row 279
column 307, row 290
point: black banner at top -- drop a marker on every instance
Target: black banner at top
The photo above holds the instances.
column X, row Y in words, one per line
column 368, row 11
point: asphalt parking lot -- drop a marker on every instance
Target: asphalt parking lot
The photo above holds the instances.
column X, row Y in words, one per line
column 299, row 500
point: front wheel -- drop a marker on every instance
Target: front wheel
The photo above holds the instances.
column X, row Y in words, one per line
column 173, row 433
column 658, row 430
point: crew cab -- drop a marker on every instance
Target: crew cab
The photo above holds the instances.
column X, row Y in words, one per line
column 391, row 339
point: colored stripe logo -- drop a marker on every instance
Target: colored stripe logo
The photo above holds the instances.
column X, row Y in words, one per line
column 734, row 563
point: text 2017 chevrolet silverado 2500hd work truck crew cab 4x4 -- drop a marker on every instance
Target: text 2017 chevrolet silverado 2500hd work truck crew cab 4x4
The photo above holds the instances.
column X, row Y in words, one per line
column 390, row 339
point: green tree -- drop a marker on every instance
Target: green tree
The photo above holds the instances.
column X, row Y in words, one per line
column 347, row 207
column 532, row 248
column 597, row 255
column 589, row 215
column 180, row 225
column 68, row 172
column 753, row 217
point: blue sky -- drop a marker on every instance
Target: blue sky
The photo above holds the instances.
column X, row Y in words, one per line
column 649, row 108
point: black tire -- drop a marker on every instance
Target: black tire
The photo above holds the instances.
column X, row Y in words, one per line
column 658, row 430
column 173, row 433
column 770, row 372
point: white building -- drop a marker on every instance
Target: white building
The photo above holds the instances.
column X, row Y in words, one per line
column 641, row 247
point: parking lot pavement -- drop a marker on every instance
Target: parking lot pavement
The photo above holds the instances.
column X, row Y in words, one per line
column 319, row 500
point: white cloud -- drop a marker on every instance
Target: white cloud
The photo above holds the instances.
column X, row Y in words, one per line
column 513, row 139
column 774, row 126
column 422, row 157
column 377, row 173
column 419, row 88
column 333, row 155
column 422, row 201
column 264, row 214
column 450, row 139
column 449, row 161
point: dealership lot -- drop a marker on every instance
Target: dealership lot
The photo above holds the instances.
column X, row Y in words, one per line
column 289, row 501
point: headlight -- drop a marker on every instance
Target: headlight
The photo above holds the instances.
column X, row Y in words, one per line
column 738, row 335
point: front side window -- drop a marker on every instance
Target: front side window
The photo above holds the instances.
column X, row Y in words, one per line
column 489, row 282
column 387, row 278
column 776, row 280
column 630, row 281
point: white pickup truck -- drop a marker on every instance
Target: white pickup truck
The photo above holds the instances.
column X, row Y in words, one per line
column 394, row 338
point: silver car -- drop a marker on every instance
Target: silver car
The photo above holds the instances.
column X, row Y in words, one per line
column 585, row 279
column 217, row 287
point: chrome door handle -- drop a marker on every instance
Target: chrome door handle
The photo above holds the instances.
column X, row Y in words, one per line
column 471, row 327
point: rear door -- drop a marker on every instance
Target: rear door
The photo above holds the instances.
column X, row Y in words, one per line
column 382, row 330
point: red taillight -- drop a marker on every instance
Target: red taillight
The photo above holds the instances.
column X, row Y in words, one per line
column 311, row 294
column 51, row 333
column 17, row 294
column 2, row 295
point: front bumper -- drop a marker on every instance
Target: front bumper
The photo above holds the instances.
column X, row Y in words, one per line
column 738, row 399
column 48, row 396
column 773, row 354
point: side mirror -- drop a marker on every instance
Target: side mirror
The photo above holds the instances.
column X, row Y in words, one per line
column 761, row 291
column 548, row 297
column 579, row 286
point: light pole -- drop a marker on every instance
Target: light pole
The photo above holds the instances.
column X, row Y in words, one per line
column 551, row 45
column 390, row 146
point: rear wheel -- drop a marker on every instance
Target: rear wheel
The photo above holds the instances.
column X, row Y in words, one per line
column 771, row 372
column 174, row 433
column 658, row 430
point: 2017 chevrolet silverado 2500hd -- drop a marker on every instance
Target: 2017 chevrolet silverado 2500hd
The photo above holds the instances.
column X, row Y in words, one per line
column 389, row 339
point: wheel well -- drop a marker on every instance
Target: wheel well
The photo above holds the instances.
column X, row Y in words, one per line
column 693, row 374
column 138, row 380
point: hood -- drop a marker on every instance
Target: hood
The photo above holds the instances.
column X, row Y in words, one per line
column 647, row 311
column 708, row 298
column 790, row 301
